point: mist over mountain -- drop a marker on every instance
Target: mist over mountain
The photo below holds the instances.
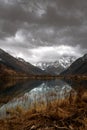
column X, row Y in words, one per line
column 37, row 30
column 17, row 65
column 58, row 66
column 64, row 65
column 78, row 67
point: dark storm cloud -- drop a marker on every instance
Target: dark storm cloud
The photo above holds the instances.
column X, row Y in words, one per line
column 29, row 24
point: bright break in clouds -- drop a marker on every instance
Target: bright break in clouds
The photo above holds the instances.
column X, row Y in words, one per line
column 43, row 29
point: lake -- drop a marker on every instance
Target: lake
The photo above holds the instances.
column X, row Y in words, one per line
column 25, row 93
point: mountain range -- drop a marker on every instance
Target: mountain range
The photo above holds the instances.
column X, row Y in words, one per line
column 65, row 65
column 10, row 64
column 77, row 67
column 58, row 66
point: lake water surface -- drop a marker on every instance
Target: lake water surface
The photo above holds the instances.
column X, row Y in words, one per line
column 26, row 93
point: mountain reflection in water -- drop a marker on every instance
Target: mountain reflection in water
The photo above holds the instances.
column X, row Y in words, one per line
column 24, row 94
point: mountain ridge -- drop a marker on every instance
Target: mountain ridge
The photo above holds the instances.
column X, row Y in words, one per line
column 57, row 66
column 77, row 67
column 8, row 61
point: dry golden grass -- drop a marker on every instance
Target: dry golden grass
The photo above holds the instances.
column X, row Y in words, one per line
column 63, row 114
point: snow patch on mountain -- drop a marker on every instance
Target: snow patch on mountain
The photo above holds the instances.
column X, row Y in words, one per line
column 57, row 66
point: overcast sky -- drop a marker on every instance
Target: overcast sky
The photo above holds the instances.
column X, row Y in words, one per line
column 39, row 30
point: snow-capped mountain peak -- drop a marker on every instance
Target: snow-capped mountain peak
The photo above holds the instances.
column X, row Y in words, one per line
column 57, row 66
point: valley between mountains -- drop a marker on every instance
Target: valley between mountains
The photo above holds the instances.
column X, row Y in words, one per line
column 66, row 66
column 52, row 103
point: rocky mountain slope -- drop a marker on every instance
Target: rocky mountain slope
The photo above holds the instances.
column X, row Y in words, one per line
column 15, row 65
column 58, row 66
column 78, row 67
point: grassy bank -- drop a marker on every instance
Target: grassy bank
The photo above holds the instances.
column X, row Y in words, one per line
column 64, row 114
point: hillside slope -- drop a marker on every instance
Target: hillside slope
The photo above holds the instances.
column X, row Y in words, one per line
column 8, row 61
column 56, row 67
column 78, row 67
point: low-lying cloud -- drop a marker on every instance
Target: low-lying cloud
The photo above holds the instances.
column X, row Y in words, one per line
column 43, row 30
